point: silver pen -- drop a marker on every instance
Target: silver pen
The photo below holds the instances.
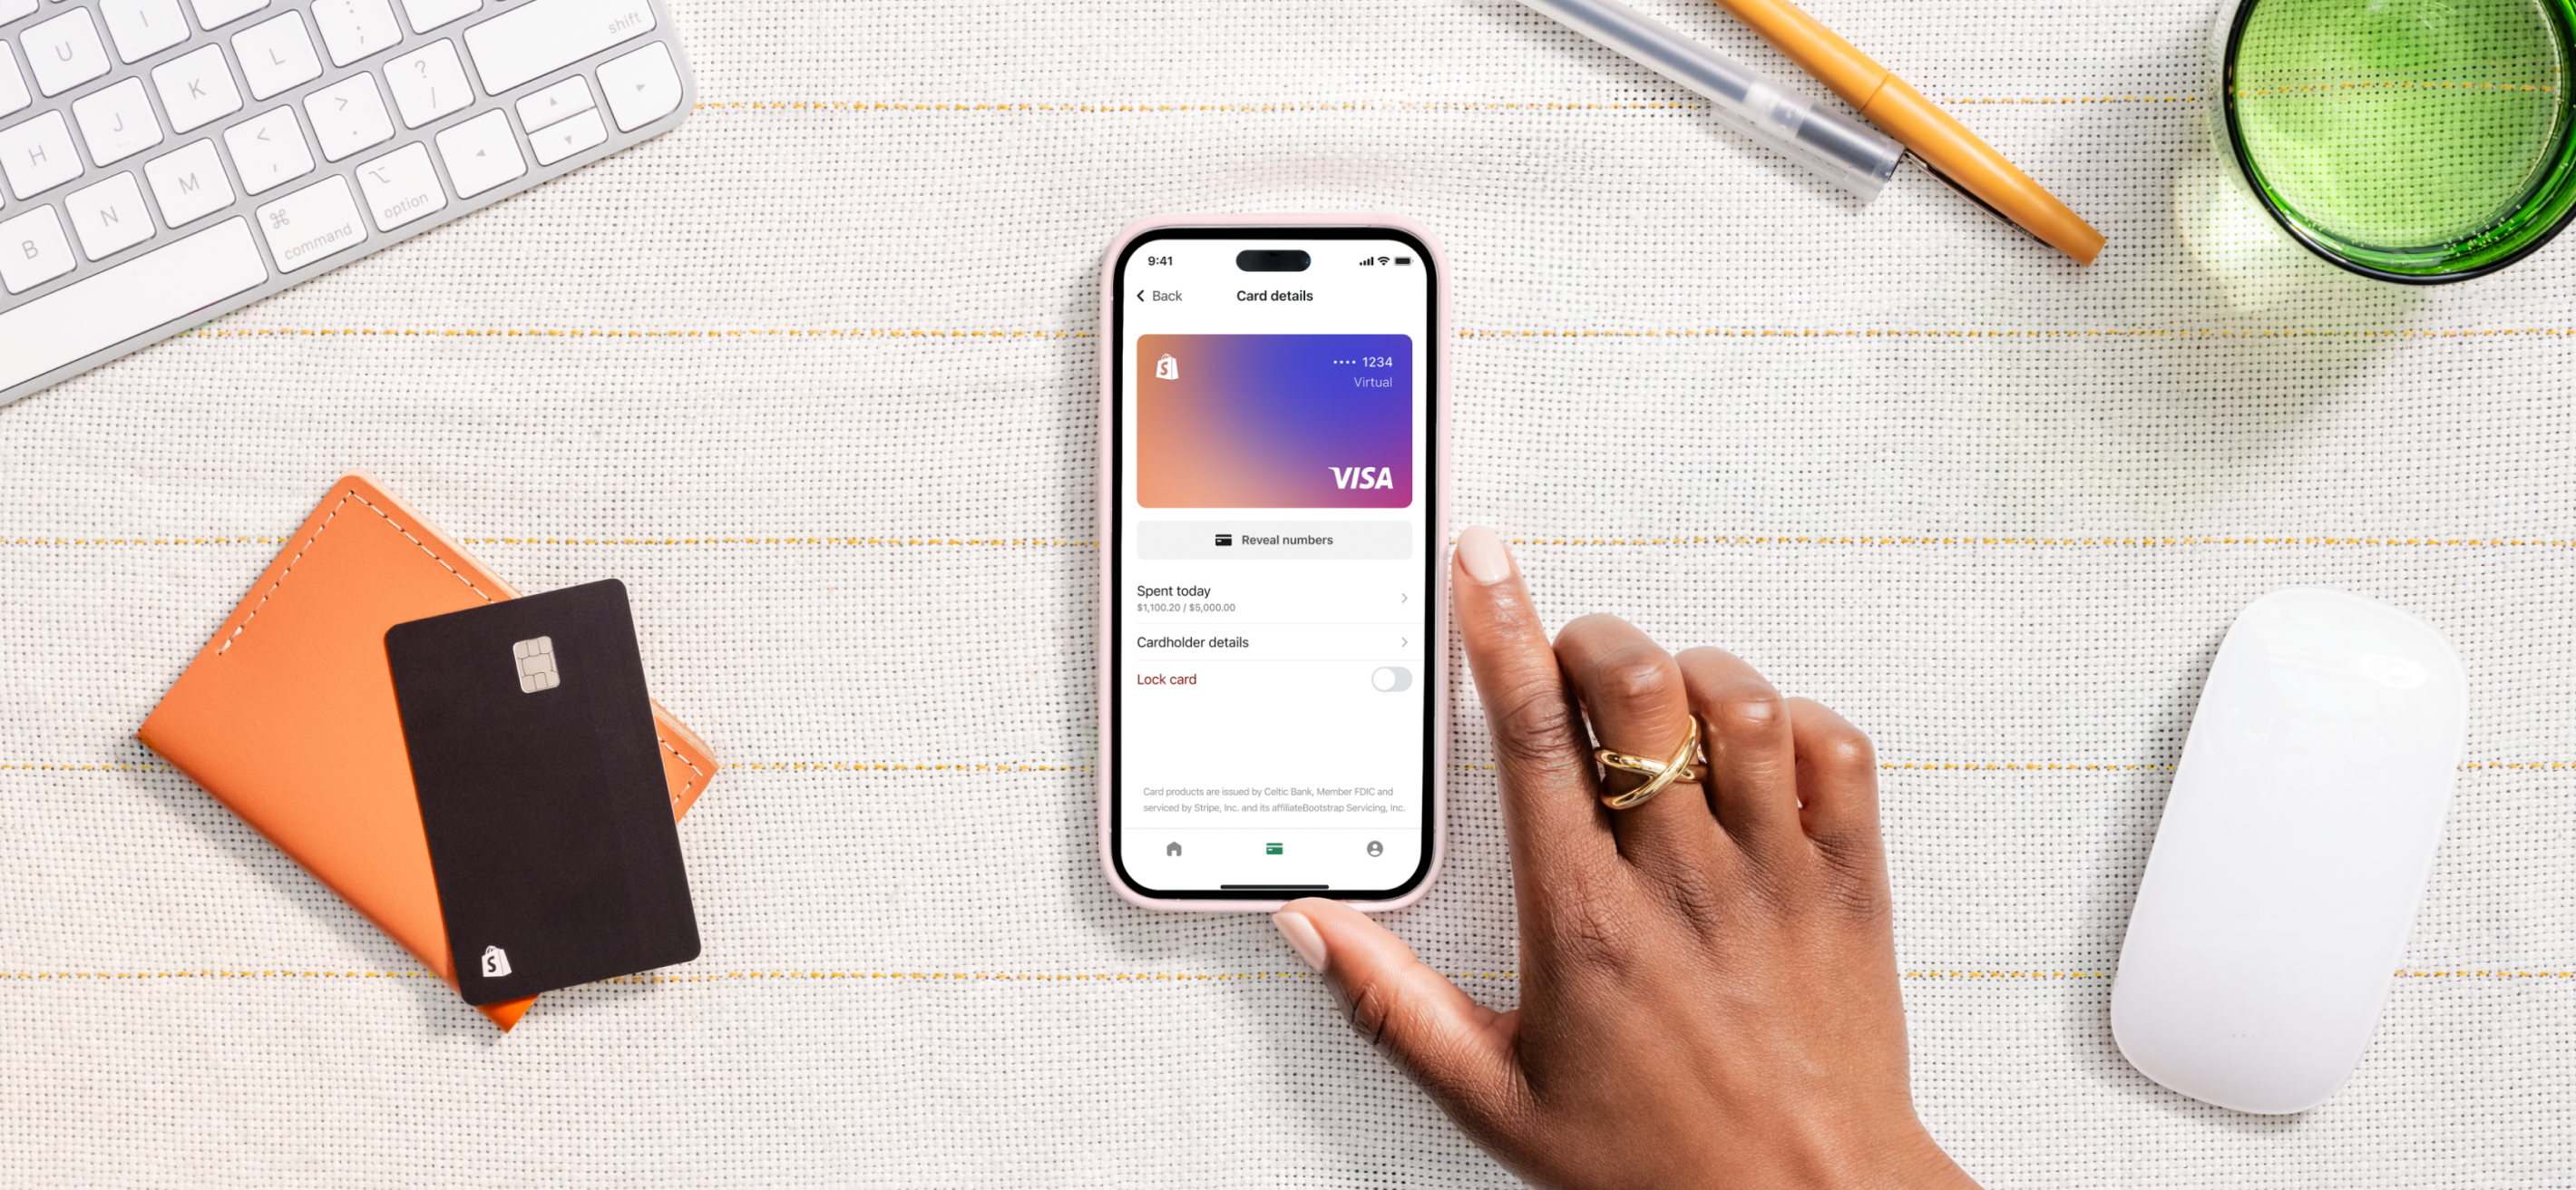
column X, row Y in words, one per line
column 1853, row 155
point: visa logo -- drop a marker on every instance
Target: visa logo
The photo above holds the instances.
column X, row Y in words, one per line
column 1347, row 478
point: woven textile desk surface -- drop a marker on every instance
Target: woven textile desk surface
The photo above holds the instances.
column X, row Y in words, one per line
column 814, row 375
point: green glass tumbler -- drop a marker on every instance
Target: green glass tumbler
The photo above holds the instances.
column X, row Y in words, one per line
column 2417, row 141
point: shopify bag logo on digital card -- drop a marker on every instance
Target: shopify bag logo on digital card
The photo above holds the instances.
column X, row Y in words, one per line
column 1274, row 421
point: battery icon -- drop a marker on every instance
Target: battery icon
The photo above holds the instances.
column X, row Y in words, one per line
column 1404, row 260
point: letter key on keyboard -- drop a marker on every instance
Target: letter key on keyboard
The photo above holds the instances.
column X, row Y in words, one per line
column 164, row 162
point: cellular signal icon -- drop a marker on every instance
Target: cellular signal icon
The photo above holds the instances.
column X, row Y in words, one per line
column 1366, row 261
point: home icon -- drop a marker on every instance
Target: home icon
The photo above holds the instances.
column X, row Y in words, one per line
column 1173, row 849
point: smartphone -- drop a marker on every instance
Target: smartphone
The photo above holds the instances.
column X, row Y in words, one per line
column 1273, row 604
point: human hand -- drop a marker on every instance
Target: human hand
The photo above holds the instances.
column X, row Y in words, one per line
column 1708, row 980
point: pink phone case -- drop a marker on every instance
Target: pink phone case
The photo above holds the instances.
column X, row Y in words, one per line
column 1108, row 505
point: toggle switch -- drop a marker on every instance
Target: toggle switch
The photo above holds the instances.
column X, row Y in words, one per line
column 1391, row 678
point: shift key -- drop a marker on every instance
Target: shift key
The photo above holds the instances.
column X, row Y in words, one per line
column 543, row 36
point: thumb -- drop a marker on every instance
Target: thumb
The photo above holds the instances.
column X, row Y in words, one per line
column 1459, row 1050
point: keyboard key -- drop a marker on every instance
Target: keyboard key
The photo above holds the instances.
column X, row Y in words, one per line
column 276, row 54
column 117, row 122
column 189, row 184
column 38, row 155
column 312, row 223
column 401, row 187
column 642, row 86
column 11, row 10
column 569, row 137
column 109, row 216
column 430, row 14
column 13, row 86
column 33, row 250
column 543, row 36
column 354, row 29
column 481, row 153
column 196, row 88
column 349, row 115
column 211, row 13
column 268, row 150
column 428, row 84
column 143, row 28
column 64, row 52
column 570, row 97
column 158, row 288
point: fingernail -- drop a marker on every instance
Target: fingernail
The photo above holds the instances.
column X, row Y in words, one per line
column 1487, row 560
column 1301, row 934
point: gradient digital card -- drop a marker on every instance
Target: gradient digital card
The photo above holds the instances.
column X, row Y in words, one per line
column 1274, row 421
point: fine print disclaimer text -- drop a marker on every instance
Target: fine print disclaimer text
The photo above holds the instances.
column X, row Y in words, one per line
column 1303, row 799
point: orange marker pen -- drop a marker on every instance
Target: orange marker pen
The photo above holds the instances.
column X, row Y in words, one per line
column 1942, row 143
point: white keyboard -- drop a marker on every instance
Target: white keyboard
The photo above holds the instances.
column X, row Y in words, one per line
column 166, row 161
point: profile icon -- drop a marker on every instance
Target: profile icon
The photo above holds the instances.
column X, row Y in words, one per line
column 1167, row 368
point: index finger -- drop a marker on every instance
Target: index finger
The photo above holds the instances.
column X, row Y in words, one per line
column 1542, row 754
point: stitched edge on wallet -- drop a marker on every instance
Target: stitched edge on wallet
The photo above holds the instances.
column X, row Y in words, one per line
column 345, row 497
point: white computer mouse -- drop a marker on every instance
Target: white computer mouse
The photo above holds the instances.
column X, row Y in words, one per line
column 2294, row 847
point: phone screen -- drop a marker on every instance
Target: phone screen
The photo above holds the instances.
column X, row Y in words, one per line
column 1272, row 566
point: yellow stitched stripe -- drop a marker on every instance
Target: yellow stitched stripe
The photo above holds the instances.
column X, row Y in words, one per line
column 854, row 766
column 2490, row 542
column 1102, row 977
column 800, row 766
column 1612, row 333
column 1356, row 105
column 543, row 333
column 1714, row 539
column 2051, row 766
column 2140, row 332
column 838, row 541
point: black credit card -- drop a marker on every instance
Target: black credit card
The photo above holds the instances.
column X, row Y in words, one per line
column 541, row 789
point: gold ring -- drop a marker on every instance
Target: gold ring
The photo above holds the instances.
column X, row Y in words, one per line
column 1658, row 773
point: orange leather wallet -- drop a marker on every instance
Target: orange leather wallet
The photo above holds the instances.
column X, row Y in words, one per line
column 288, row 716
